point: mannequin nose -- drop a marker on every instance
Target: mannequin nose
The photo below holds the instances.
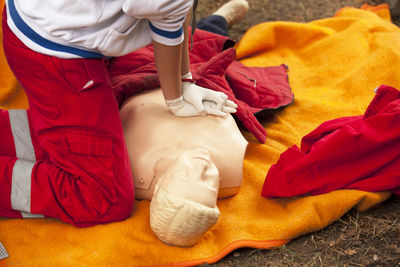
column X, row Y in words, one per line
column 206, row 172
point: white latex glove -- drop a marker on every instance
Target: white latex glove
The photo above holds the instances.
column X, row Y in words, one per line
column 200, row 101
column 196, row 95
column 212, row 109
column 180, row 108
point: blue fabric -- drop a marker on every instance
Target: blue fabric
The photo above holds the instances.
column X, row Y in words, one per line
column 167, row 34
column 215, row 24
column 35, row 37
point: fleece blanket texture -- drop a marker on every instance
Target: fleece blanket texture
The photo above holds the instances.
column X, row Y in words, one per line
column 334, row 66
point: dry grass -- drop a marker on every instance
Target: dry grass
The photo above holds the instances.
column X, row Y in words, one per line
column 369, row 238
column 357, row 239
column 288, row 10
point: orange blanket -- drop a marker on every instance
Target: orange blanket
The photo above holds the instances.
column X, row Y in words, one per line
column 334, row 66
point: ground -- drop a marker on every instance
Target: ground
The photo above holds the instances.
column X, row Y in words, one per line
column 370, row 238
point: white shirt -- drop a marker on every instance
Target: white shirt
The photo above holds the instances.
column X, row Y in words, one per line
column 96, row 28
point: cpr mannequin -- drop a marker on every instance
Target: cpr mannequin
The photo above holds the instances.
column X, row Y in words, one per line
column 181, row 164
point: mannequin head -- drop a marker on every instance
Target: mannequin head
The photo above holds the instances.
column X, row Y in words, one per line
column 181, row 164
column 183, row 206
column 178, row 221
column 192, row 176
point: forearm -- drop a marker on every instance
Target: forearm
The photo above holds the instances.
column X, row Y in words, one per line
column 168, row 63
column 185, row 68
column 188, row 99
column 172, row 62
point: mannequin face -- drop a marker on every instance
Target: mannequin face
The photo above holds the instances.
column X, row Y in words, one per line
column 192, row 176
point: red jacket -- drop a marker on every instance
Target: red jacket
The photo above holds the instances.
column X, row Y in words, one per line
column 360, row 152
column 252, row 89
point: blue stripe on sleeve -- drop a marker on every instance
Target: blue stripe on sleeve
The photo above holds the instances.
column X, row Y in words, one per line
column 168, row 34
column 35, row 37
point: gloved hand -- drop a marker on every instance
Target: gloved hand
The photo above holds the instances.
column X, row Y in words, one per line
column 212, row 108
column 199, row 101
column 195, row 95
column 180, row 108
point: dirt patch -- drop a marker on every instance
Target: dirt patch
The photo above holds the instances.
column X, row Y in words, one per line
column 369, row 238
column 289, row 10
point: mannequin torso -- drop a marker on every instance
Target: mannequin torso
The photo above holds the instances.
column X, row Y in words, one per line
column 154, row 137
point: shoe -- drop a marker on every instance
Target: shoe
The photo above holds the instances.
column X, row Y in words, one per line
column 233, row 11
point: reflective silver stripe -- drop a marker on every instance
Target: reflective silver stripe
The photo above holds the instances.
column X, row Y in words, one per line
column 22, row 170
column 21, row 134
column 21, row 185
column 31, row 215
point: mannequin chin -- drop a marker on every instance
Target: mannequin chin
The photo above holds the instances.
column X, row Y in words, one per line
column 181, row 164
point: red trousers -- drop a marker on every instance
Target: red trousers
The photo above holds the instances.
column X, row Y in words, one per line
column 64, row 157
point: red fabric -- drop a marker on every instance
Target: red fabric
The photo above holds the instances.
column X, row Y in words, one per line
column 82, row 174
column 260, row 88
column 6, row 141
column 360, row 152
column 252, row 89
